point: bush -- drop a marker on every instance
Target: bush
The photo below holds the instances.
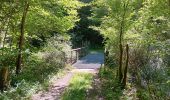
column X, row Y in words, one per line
column 149, row 72
column 37, row 70
column 7, row 57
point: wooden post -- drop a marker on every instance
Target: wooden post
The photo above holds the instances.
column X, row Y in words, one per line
column 106, row 53
column 71, row 56
column 64, row 59
column 76, row 55
column 84, row 51
column 80, row 52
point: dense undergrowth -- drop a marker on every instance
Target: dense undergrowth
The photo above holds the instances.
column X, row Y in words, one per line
column 112, row 90
column 25, row 87
column 38, row 71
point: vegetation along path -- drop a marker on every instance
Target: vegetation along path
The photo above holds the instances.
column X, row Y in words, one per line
column 88, row 64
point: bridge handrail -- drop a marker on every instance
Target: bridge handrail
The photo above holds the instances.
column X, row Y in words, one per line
column 80, row 52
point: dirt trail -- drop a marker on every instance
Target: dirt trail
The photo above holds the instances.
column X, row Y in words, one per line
column 90, row 64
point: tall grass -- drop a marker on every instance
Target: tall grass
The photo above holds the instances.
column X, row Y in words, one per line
column 78, row 86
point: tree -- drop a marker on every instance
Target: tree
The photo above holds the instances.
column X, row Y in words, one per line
column 26, row 26
column 82, row 31
column 144, row 26
column 115, row 26
column 21, row 38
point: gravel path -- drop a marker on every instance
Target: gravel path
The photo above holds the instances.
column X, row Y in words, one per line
column 55, row 90
column 90, row 64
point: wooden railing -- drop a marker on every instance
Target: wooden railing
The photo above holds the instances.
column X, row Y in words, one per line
column 75, row 54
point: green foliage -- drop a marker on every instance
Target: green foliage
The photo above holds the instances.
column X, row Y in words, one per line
column 38, row 69
column 144, row 25
column 29, row 84
column 44, row 20
column 48, row 61
column 37, row 75
column 82, row 31
column 111, row 90
column 7, row 57
column 50, row 16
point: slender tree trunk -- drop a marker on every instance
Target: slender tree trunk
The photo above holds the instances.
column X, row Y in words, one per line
column 120, row 63
column 122, row 28
column 126, row 66
column 121, row 48
column 21, row 39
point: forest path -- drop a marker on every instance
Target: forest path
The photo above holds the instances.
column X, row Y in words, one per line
column 90, row 64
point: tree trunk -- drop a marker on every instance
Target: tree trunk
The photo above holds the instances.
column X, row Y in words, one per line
column 122, row 28
column 120, row 63
column 21, row 39
column 121, row 50
column 3, row 78
column 126, row 66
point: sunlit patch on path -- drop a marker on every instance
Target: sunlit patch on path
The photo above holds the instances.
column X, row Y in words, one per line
column 91, row 61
